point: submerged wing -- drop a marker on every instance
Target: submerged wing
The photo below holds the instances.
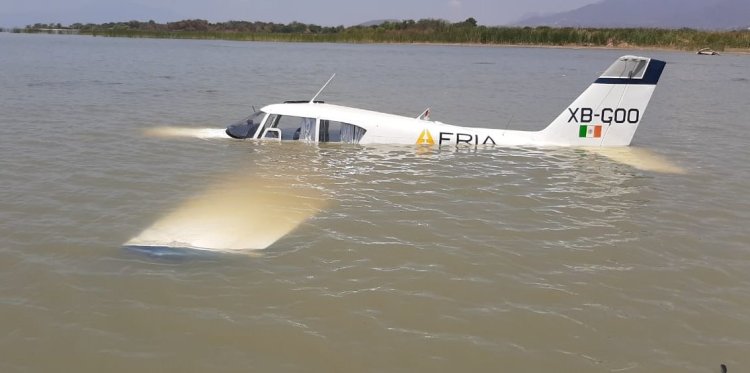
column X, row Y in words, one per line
column 239, row 214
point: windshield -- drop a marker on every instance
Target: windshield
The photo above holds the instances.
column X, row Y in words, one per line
column 246, row 127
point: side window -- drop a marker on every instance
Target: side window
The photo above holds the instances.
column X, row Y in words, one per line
column 333, row 131
column 291, row 127
column 351, row 134
column 330, row 131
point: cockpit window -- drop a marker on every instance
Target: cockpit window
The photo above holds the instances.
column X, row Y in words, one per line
column 627, row 68
column 247, row 127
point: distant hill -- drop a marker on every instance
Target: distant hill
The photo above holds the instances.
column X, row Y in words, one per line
column 701, row 14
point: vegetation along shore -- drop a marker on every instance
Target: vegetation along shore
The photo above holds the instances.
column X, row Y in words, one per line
column 422, row 31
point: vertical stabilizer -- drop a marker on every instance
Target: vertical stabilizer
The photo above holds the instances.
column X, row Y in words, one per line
column 609, row 111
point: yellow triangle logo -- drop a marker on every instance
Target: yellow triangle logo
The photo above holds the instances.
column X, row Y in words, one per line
column 425, row 138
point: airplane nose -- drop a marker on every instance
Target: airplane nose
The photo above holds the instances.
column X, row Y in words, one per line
column 239, row 130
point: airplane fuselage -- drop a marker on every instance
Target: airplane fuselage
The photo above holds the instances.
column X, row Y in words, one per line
column 606, row 114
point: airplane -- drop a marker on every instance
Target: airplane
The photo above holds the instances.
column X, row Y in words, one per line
column 606, row 114
column 602, row 120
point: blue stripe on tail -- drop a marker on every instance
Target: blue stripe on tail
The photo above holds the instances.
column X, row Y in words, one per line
column 651, row 77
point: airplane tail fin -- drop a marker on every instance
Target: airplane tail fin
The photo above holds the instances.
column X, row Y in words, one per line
column 609, row 111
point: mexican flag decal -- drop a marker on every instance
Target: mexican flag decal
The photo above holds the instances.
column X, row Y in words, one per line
column 589, row 130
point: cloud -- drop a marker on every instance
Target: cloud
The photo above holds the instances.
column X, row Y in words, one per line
column 455, row 3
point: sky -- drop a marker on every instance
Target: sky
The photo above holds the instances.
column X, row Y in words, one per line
column 15, row 13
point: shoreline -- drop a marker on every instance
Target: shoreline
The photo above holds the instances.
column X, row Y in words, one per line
column 343, row 39
column 264, row 38
column 424, row 32
column 731, row 51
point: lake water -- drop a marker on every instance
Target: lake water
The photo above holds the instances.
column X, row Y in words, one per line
column 417, row 260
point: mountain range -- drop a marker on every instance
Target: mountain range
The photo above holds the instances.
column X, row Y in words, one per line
column 699, row 14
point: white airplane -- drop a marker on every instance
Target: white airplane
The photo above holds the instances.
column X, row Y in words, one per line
column 606, row 114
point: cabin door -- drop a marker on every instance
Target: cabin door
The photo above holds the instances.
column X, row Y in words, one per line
column 287, row 127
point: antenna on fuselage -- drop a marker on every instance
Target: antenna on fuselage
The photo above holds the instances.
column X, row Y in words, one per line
column 322, row 88
column 509, row 120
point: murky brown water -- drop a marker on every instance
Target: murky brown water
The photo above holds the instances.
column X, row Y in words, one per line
column 486, row 259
